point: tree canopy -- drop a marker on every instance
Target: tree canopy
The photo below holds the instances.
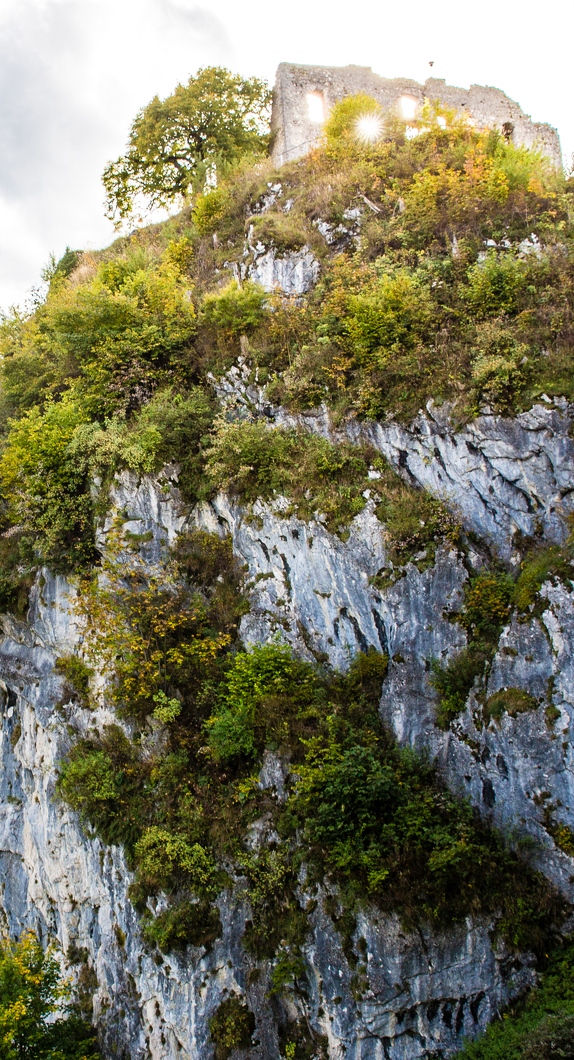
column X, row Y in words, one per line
column 215, row 118
column 32, row 993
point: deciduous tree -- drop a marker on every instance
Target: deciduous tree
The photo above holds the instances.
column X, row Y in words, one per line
column 32, row 993
column 173, row 143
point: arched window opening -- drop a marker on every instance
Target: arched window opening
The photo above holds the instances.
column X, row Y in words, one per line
column 315, row 107
column 408, row 106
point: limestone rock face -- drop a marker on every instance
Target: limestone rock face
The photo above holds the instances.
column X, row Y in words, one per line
column 500, row 475
column 410, row 994
column 290, row 272
column 515, row 769
column 293, row 273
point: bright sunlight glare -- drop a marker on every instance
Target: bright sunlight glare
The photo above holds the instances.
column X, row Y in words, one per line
column 369, row 127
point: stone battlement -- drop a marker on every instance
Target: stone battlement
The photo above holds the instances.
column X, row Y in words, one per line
column 304, row 95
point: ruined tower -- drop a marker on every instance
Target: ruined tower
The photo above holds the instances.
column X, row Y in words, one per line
column 304, row 95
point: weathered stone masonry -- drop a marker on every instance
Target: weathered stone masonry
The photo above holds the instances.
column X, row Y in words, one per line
column 304, row 95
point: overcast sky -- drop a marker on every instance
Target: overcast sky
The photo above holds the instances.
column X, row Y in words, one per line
column 73, row 74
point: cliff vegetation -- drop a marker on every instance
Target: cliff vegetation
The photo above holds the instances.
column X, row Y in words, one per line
column 446, row 273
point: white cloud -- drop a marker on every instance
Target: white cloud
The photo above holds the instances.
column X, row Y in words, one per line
column 73, row 73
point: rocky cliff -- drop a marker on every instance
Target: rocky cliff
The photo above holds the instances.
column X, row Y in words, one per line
column 419, row 991
column 351, row 466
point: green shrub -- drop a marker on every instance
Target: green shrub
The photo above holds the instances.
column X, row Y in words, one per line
column 231, row 1027
column 277, row 918
column 116, row 445
column 343, row 796
column 77, row 675
column 501, row 366
column 182, row 420
column 101, row 781
column 87, row 781
column 204, row 557
column 454, row 681
column 159, row 854
column 288, row 969
column 487, row 604
column 184, row 924
column 234, row 310
column 415, row 519
column 252, row 461
column 113, row 338
column 510, row 701
column 46, row 490
column 166, row 710
column 540, row 565
column 265, row 673
column 17, row 573
column 208, row 210
column 388, row 319
column 67, row 263
column 497, row 285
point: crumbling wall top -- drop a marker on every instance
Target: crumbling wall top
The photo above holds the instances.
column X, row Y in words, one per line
column 304, row 95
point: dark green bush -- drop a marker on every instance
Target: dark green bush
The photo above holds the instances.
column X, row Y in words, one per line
column 231, row 1027
column 265, row 676
column 100, row 780
column 380, row 822
column 187, row 923
column 277, row 919
column 17, row 573
column 487, row 604
column 454, row 681
column 510, row 701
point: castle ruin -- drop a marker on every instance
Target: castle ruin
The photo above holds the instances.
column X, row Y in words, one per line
column 304, row 95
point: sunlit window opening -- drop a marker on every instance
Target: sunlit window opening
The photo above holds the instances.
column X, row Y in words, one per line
column 315, row 107
column 369, row 127
column 408, row 106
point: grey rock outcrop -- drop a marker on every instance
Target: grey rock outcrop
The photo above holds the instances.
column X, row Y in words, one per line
column 518, row 770
column 293, row 273
column 500, row 475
